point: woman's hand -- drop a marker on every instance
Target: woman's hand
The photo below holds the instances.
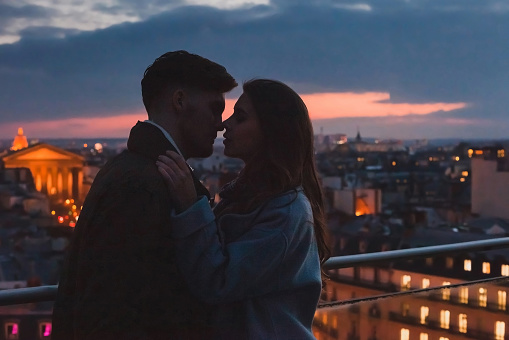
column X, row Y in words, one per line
column 177, row 175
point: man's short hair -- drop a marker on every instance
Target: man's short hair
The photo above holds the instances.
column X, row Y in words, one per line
column 184, row 69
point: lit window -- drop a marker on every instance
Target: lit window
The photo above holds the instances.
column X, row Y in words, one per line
column 486, row 267
column 502, row 299
column 446, row 292
column 500, row 330
column 462, row 323
column 467, row 265
column 425, row 283
column 463, row 295
column 405, row 334
column 505, row 270
column 324, row 318
column 501, row 153
column 424, row 314
column 464, row 173
column 45, row 330
column 11, row 331
column 449, row 262
column 445, row 316
column 405, row 282
column 423, row 336
column 443, row 338
column 335, row 322
column 483, row 297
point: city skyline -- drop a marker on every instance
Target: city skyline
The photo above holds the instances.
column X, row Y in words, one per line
column 393, row 69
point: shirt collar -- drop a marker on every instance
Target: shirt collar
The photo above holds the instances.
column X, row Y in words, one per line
column 166, row 134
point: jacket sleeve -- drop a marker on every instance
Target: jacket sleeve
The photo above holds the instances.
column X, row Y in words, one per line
column 244, row 268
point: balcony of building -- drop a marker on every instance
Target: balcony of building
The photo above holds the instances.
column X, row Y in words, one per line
column 367, row 297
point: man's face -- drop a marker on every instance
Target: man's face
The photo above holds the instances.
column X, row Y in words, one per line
column 200, row 122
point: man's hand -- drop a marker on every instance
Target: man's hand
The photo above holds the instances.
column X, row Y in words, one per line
column 177, row 176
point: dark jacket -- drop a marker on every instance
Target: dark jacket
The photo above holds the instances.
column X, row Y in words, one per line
column 120, row 280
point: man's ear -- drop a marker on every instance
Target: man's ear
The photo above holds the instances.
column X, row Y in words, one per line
column 178, row 99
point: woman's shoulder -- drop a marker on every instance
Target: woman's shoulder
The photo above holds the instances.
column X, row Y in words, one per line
column 294, row 199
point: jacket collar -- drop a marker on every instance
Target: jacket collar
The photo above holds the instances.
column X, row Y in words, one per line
column 148, row 140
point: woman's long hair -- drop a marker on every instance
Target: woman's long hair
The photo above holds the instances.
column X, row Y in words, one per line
column 286, row 159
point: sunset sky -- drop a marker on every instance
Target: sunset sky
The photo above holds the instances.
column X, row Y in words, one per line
column 391, row 68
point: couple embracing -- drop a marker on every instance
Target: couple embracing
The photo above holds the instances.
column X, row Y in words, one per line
column 151, row 259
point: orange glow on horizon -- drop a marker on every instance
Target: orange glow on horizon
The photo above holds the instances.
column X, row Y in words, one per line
column 320, row 106
column 366, row 104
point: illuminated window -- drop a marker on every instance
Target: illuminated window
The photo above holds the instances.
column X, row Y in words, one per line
column 502, row 299
column 443, row 338
column 405, row 282
column 405, row 334
column 446, row 292
column 45, row 330
column 486, row 267
column 463, row 295
column 501, row 153
column 424, row 314
column 462, row 323
column 429, row 263
column 335, row 322
column 505, row 270
column 483, row 297
column 467, row 265
column 11, row 331
column 470, row 153
column 464, row 173
column 500, row 330
column 425, row 283
column 449, row 262
column 423, row 336
column 445, row 316
column 324, row 318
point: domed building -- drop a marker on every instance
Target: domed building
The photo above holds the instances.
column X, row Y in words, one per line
column 20, row 141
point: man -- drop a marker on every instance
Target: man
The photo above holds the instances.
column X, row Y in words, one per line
column 120, row 280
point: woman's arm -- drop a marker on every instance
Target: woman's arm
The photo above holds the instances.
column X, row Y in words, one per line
column 245, row 268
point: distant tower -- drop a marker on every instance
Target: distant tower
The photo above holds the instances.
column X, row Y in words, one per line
column 20, row 141
column 358, row 137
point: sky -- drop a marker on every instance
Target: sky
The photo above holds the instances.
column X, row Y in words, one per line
column 391, row 69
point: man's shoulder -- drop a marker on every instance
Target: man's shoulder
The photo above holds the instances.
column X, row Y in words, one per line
column 129, row 169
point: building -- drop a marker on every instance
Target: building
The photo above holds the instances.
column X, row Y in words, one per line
column 456, row 308
column 490, row 188
column 56, row 172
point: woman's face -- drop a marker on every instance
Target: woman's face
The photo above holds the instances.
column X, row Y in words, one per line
column 243, row 136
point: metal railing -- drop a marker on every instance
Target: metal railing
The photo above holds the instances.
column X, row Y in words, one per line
column 48, row 293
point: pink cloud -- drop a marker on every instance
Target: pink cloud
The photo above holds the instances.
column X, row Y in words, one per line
column 367, row 104
column 320, row 106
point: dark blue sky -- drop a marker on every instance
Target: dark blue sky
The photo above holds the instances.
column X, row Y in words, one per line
column 58, row 63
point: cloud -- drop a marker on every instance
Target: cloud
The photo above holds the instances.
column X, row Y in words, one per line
column 369, row 104
column 418, row 56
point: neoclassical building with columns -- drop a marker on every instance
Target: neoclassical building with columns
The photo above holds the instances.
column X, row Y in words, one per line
column 56, row 172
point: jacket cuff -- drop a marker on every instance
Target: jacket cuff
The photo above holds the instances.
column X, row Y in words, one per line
column 192, row 219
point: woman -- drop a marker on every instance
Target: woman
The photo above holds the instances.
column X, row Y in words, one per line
column 258, row 256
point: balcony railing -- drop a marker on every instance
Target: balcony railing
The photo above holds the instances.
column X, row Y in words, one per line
column 357, row 307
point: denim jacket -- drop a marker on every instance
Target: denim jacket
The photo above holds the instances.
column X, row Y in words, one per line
column 261, row 270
